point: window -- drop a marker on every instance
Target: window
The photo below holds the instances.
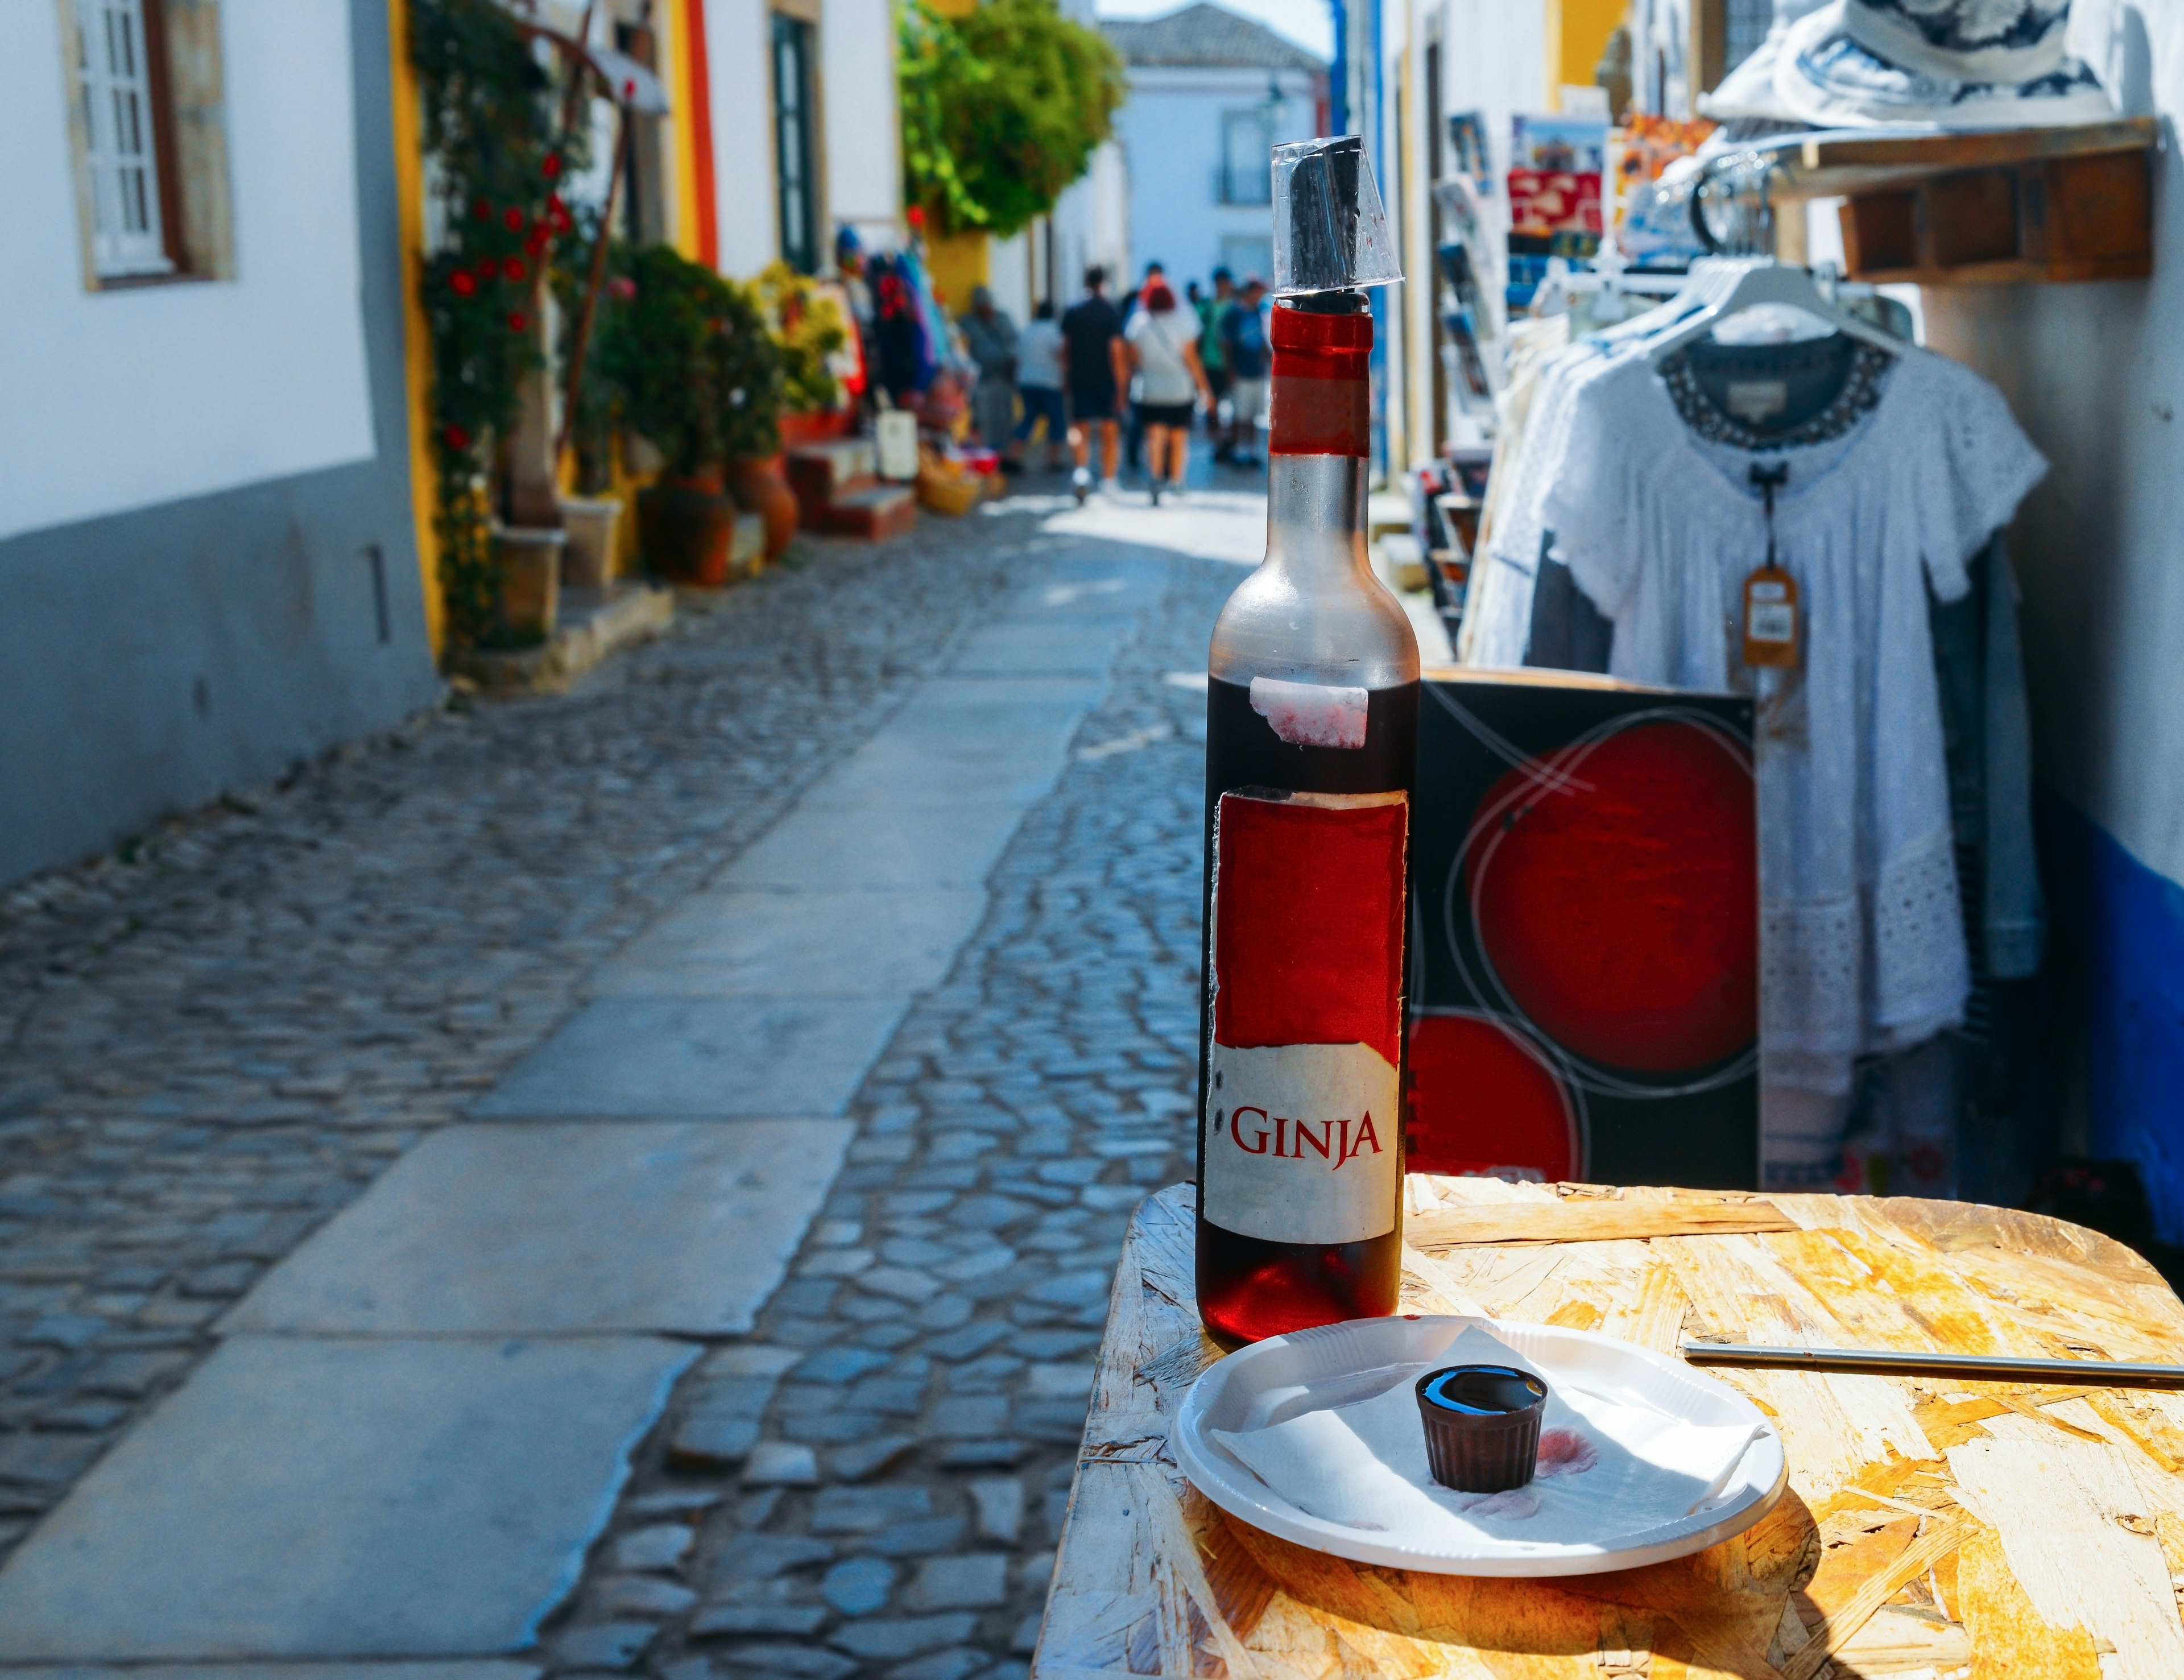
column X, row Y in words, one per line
column 148, row 137
column 795, row 187
column 1247, row 144
column 640, row 214
column 1245, row 254
column 127, row 148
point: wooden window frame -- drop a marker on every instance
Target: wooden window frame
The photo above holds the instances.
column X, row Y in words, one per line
column 186, row 110
column 811, row 136
column 166, row 171
column 1708, row 63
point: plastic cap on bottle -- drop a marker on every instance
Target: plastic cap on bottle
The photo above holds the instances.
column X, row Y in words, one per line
column 1330, row 233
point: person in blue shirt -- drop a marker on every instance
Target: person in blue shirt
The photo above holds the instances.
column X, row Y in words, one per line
column 1243, row 348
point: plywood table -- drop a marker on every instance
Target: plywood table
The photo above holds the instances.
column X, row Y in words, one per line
column 1983, row 1530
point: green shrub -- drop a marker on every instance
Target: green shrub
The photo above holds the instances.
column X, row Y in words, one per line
column 689, row 360
column 1001, row 109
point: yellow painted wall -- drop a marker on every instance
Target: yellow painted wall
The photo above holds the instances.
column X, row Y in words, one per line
column 956, row 263
column 682, row 193
column 416, row 333
column 1577, row 34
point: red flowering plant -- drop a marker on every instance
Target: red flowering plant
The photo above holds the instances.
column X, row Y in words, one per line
column 499, row 158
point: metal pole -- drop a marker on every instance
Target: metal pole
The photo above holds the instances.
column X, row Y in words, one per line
column 2062, row 1373
column 590, row 306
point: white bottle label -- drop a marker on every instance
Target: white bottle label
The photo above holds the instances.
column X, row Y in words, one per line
column 1300, row 1143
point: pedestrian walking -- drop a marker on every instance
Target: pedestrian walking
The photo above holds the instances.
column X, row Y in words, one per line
column 990, row 336
column 1039, row 383
column 1163, row 346
column 1212, row 357
column 1133, row 431
column 1094, row 373
column 1243, row 346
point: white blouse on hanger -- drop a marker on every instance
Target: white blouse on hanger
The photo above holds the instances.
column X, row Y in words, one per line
column 1498, row 630
column 1862, row 937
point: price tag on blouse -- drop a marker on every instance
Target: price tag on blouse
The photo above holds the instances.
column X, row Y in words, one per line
column 1770, row 618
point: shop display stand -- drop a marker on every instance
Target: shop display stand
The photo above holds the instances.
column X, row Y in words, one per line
column 2012, row 205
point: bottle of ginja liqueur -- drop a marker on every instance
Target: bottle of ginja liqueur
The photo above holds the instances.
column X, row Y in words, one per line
column 1310, row 751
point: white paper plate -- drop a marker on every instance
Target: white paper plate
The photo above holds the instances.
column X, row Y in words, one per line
column 1340, row 1363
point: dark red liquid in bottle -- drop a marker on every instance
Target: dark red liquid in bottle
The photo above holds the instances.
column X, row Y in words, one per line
column 1249, row 1287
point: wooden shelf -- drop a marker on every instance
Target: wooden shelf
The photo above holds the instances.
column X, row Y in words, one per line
column 1829, row 165
column 2049, row 204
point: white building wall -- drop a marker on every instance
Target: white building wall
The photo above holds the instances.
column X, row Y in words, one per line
column 1092, row 223
column 1170, row 134
column 864, row 137
column 116, row 400
column 1008, row 274
column 1494, row 60
column 2096, row 372
column 859, row 133
column 739, row 69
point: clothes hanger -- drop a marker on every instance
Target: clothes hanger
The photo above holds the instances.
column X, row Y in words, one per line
column 1708, row 280
column 1752, row 282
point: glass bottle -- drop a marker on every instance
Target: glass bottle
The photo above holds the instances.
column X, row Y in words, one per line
column 1312, row 738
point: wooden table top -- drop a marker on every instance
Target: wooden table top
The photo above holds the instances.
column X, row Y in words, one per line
column 1983, row 1530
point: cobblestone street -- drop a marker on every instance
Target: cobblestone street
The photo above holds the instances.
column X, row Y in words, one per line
column 225, row 1034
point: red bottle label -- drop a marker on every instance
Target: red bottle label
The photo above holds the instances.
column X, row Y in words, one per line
column 1302, row 1114
column 1322, row 393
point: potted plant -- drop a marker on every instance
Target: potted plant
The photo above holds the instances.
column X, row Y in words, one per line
column 752, row 376
column 808, row 325
column 660, row 351
column 499, row 157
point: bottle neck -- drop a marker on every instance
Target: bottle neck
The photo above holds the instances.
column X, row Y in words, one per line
column 1321, row 383
column 1320, row 441
column 1316, row 507
column 1313, row 612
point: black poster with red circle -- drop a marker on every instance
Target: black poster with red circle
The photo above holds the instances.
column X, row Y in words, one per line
column 1585, row 984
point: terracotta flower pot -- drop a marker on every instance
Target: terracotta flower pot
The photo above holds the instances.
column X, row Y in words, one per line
column 685, row 533
column 760, row 486
column 819, row 425
column 529, row 579
column 588, row 561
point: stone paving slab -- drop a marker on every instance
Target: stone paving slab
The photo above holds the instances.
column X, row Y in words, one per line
column 319, row 1498
column 883, row 1504
column 564, row 1228
column 964, row 738
column 818, row 847
column 698, row 1059
column 212, row 1054
column 1038, row 648
column 806, row 944
column 222, row 1032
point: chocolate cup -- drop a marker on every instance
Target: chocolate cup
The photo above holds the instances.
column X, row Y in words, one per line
column 1482, row 1425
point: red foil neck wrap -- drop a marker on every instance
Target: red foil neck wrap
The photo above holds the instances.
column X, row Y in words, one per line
column 1322, row 388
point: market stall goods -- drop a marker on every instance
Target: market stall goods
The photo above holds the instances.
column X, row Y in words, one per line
column 1666, row 483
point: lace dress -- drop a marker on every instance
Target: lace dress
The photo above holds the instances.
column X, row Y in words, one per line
column 1895, row 486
